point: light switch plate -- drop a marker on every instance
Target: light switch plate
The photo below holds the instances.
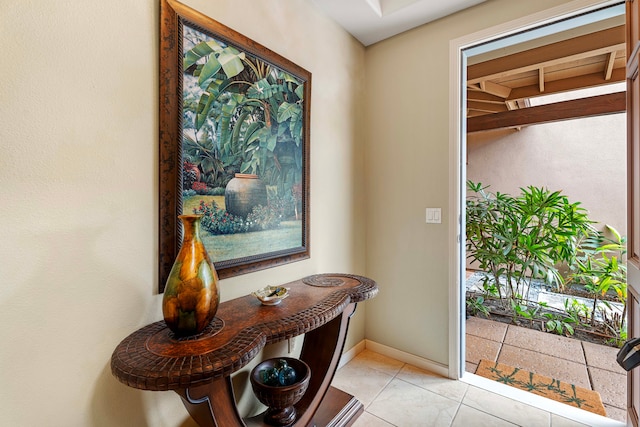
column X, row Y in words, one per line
column 434, row 215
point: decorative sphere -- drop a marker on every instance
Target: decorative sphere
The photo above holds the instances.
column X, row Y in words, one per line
column 287, row 376
column 281, row 363
column 269, row 376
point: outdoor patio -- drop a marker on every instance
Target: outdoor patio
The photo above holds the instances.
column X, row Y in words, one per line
column 584, row 364
column 588, row 365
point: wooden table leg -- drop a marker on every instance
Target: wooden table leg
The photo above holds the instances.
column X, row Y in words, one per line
column 212, row 405
column 321, row 350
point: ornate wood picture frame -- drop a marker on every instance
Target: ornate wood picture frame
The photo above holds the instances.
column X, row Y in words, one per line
column 234, row 145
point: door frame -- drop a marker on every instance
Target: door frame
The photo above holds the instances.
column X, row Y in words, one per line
column 457, row 156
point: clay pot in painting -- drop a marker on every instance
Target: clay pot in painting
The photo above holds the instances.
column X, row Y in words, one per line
column 191, row 295
column 243, row 193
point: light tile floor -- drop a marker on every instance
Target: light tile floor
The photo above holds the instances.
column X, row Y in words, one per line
column 398, row 394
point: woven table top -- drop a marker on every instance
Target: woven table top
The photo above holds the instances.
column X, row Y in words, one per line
column 152, row 358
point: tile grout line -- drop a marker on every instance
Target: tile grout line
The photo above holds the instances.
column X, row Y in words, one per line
column 385, row 386
column 373, row 399
column 501, row 344
column 453, row 418
column 464, row 396
column 381, row 419
column 586, row 365
column 459, row 402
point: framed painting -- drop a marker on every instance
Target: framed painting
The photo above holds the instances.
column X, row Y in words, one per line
column 234, row 145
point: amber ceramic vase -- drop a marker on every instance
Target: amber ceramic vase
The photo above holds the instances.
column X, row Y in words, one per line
column 191, row 295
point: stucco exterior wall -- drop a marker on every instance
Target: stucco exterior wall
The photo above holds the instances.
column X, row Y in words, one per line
column 584, row 158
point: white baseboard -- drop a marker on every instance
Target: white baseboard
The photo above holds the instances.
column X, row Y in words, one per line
column 411, row 359
column 350, row 354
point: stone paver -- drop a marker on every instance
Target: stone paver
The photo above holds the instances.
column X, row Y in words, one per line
column 545, row 343
column 616, row 413
column 546, row 365
column 487, row 329
column 470, row 367
column 602, row 356
column 480, row 348
column 591, row 366
column 611, row 386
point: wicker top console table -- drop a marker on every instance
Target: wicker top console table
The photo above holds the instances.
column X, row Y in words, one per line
column 199, row 368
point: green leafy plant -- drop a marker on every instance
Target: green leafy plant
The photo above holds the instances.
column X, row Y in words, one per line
column 523, row 237
column 218, row 221
column 476, row 305
column 539, row 235
column 559, row 324
column 614, row 322
column 241, row 114
column 489, row 287
column 577, row 310
column 599, row 267
column 620, row 335
column 527, row 311
column 263, row 218
column 573, row 310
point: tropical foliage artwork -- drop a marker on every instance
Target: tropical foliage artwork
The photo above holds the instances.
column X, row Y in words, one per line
column 241, row 115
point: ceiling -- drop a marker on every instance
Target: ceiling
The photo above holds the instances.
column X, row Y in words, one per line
column 371, row 21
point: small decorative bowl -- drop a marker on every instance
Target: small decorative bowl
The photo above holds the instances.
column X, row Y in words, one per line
column 280, row 399
column 271, row 295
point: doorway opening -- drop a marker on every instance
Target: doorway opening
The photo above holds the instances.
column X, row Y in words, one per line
column 489, row 150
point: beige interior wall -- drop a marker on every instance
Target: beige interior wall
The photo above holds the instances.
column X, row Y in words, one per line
column 407, row 136
column 78, row 192
column 585, row 159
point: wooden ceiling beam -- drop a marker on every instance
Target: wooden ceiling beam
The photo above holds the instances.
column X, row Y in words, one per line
column 579, row 108
column 609, row 68
column 486, row 107
column 474, row 95
column 598, row 43
column 472, row 113
column 564, row 85
column 495, row 89
column 552, row 63
column 512, row 105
